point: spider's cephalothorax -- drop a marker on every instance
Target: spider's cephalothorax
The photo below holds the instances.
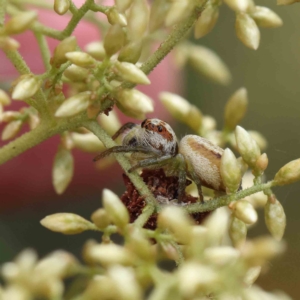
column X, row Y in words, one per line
column 153, row 144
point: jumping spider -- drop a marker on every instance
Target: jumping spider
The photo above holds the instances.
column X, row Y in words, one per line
column 153, row 144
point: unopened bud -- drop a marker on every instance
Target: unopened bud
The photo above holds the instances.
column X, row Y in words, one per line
column 33, row 121
column 134, row 103
column 238, row 5
column 116, row 210
column 100, row 218
column 26, row 87
column 247, row 31
column 247, row 146
column 96, row 50
column 67, row 223
column 157, row 15
column 61, row 6
column 114, row 17
column 74, row 105
column 4, row 98
column 8, row 44
column 114, row 40
column 261, row 163
column 20, row 22
column 289, row 173
column 259, row 139
column 209, row 64
column 111, row 123
column 110, row 254
column 87, row 142
column 62, row 171
column 275, row 219
column 11, row 130
column 237, row 232
column 230, row 171
column 221, row 256
column 178, row 11
column 138, row 19
column 207, row 20
column 177, row 222
column 235, row 108
column 122, row 5
column 69, row 44
column 9, row 116
column 251, row 275
column 80, row 59
column 245, row 211
column 242, row 165
column 131, row 73
column 131, row 52
column 265, row 17
column 76, row 73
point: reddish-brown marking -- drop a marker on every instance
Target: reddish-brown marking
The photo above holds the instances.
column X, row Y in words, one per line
column 160, row 129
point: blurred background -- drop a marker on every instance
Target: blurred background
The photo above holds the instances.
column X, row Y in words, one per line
column 270, row 74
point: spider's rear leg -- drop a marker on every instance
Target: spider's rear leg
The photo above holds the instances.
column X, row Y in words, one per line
column 121, row 149
column 198, row 183
column 151, row 162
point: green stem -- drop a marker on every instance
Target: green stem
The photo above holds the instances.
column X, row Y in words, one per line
column 225, row 200
column 3, row 4
column 144, row 217
column 34, row 137
column 143, row 190
column 42, row 42
column 99, row 8
column 17, row 60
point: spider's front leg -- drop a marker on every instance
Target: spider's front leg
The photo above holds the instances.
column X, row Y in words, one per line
column 150, row 162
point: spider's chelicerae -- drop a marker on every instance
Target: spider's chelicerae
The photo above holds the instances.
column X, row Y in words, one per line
column 153, row 144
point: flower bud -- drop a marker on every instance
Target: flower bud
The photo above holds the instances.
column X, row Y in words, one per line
column 275, row 219
column 26, row 87
column 138, row 19
column 96, row 50
column 87, row 142
column 114, row 40
column 4, row 98
column 131, row 52
column 158, row 11
column 76, row 73
column 238, row 5
column 134, row 103
column 131, row 73
column 289, row 173
column 9, row 116
column 177, row 222
column 190, row 282
column 114, row 17
column 62, row 171
column 67, row 223
column 80, row 59
column 116, row 210
column 33, row 121
column 20, row 22
column 206, row 62
column 125, row 283
column 259, row 139
column 265, row 17
column 247, row 31
column 178, row 11
column 245, row 211
column 69, row 44
column 61, row 6
column 11, row 130
column 74, row 105
column 122, row 5
column 235, row 108
column 111, row 123
column 230, row 171
column 251, row 275
column 110, row 254
column 100, row 218
column 242, row 165
column 220, row 256
column 247, row 146
column 207, row 20
column 8, row 44
column 237, row 232
column 261, row 163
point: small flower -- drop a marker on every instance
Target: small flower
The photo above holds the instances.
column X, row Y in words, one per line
column 61, row 6
column 289, row 173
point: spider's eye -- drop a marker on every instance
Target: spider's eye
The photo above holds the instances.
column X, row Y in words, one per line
column 160, row 128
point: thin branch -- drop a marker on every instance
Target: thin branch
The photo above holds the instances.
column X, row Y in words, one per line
column 3, row 4
column 45, row 52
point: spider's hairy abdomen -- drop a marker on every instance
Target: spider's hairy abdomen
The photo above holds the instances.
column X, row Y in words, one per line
column 205, row 159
